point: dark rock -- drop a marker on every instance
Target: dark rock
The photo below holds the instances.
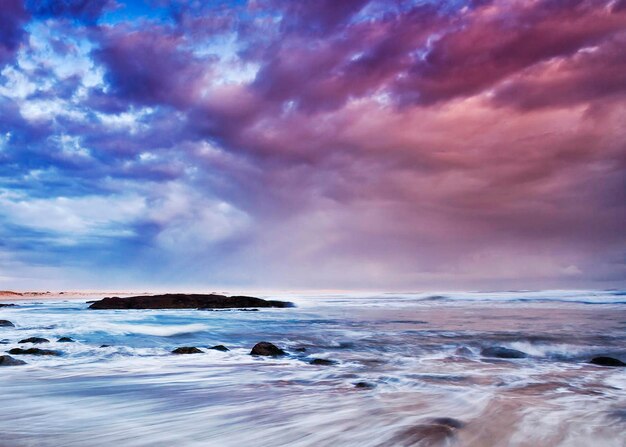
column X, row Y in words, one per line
column 365, row 385
column 300, row 349
column 464, row 351
column 220, row 348
column 105, row 346
column 249, row 310
column 449, row 422
column 607, row 361
column 7, row 305
column 6, row 323
column 423, row 434
column 33, row 351
column 266, row 348
column 323, row 362
column 34, row 340
column 7, row 360
column 65, row 340
column 187, row 350
column 503, row 353
column 182, row 301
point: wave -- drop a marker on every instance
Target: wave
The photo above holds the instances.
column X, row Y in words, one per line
column 159, row 331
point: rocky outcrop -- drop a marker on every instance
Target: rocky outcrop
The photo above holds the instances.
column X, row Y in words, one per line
column 7, row 360
column 323, row 362
column 182, row 301
column 33, row 351
column 65, row 340
column 6, row 323
column 503, row 353
column 34, row 340
column 220, row 348
column 187, row 350
column 607, row 361
column 266, row 348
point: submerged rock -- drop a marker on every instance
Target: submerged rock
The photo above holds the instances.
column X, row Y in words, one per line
column 65, row 340
column 266, row 348
column 365, row 385
column 449, row 422
column 105, row 346
column 6, row 323
column 220, row 348
column 463, row 351
column 183, row 301
column 187, row 350
column 607, row 361
column 503, row 353
column 323, row 362
column 33, row 351
column 423, row 435
column 7, row 305
column 300, row 349
column 34, row 340
column 7, row 360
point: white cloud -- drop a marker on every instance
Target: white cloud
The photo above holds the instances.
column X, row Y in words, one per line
column 74, row 218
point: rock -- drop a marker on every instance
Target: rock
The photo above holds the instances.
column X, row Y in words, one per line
column 365, row 385
column 423, row 435
column 34, row 340
column 7, row 360
column 7, row 305
column 323, row 362
column 463, row 351
column 187, row 350
column 65, row 340
column 503, row 353
column 448, row 422
column 105, row 346
column 607, row 361
column 220, row 348
column 33, row 351
column 182, row 301
column 266, row 348
column 6, row 323
column 300, row 349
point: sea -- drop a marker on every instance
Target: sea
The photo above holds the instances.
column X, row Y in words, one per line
column 406, row 369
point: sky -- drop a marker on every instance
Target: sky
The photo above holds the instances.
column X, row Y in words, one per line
column 353, row 144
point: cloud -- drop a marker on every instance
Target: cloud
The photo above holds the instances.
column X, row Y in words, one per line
column 369, row 144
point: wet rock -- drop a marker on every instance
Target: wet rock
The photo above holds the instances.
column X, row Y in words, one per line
column 105, row 346
column 266, row 348
column 323, row 362
column 187, row 350
column 183, row 301
column 33, row 351
column 6, row 323
column 463, row 351
column 365, row 385
column 34, row 340
column 65, row 340
column 220, row 348
column 423, row 435
column 607, row 361
column 7, row 360
column 300, row 349
column 449, row 422
column 7, row 305
column 503, row 353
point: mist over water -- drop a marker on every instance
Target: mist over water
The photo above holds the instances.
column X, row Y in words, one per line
column 417, row 358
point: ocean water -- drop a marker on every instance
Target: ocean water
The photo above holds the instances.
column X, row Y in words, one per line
column 418, row 355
